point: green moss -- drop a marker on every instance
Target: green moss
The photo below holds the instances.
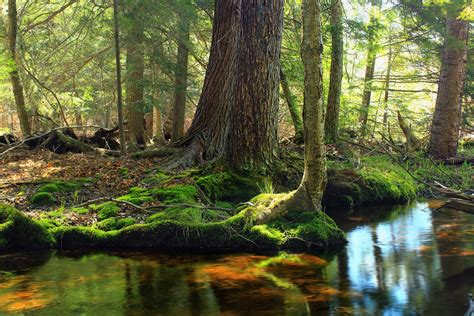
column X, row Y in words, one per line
column 20, row 232
column 60, row 186
column 43, row 199
column 80, row 210
column 48, row 223
column 228, row 186
column 106, row 210
column 156, row 178
column 115, row 223
column 56, row 213
column 378, row 180
column 189, row 215
column 137, row 196
column 176, row 194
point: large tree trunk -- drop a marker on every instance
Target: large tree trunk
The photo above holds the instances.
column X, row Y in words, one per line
column 334, row 96
column 135, row 78
column 369, row 70
column 14, row 74
column 293, row 108
column 208, row 134
column 253, row 134
column 447, row 116
column 181, row 78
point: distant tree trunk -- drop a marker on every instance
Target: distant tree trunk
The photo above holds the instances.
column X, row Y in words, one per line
column 369, row 70
column 14, row 73
column 181, row 78
column 123, row 146
column 447, row 116
column 208, row 135
column 387, row 88
column 337, row 60
column 135, row 78
column 149, row 118
column 293, row 108
column 157, row 125
column 253, row 134
column 314, row 178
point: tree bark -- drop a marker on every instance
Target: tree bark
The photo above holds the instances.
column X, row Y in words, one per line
column 387, row 88
column 293, row 108
column 447, row 115
column 208, row 134
column 135, row 78
column 369, row 70
column 181, row 78
column 337, row 60
column 314, row 178
column 14, row 73
column 253, row 134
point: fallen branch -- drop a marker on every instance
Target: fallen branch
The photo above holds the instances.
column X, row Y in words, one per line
column 460, row 205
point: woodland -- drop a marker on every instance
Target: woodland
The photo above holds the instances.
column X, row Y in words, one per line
column 227, row 125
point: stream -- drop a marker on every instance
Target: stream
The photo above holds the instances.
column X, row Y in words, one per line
column 403, row 260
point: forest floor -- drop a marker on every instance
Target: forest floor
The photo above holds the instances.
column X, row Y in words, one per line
column 22, row 172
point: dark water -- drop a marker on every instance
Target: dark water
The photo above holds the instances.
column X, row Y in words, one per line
column 404, row 261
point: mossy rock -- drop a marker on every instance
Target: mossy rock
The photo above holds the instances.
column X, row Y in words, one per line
column 20, row 232
column 43, row 199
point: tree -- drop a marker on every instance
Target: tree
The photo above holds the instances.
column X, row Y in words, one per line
column 314, row 179
column 14, row 73
column 207, row 137
column 294, row 110
column 335, row 83
column 135, row 74
column 253, row 135
column 447, row 116
column 370, row 67
column 309, row 194
column 118, row 67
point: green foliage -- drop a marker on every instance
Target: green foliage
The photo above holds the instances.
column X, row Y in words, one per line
column 20, row 232
column 189, row 215
column 43, row 199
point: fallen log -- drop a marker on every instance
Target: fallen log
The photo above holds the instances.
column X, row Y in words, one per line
column 460, row 205
column 78, row 146
column 458, row 161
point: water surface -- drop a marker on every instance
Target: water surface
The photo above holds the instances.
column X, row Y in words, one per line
column 403, row 261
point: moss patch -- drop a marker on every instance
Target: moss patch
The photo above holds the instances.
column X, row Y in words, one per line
column 43, row 199
column 60, row 186
column 115, row 223
column 228, row 186
column 106, row 210
column 379, row 180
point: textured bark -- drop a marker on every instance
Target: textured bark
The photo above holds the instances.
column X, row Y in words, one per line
column 293, row 108
column 337, row 60
column 314, row 179
column 134, row 80
column 369, row 71
column 447, row 116
column 208, row 134
column 181, row 79
column 14, row 74
column 253, row 133
column 157, row 125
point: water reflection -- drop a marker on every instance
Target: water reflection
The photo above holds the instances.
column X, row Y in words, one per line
column 402, row 262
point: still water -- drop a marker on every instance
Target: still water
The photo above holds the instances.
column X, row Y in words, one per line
column 402, row 261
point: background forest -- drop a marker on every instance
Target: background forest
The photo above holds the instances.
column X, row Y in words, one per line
column 391, row 60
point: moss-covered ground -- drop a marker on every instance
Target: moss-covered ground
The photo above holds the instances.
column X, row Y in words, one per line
column 196, row 209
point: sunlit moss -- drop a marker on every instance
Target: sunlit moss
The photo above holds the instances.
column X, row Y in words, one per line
column 115, row 223
column 106, row 210
column 228, row 186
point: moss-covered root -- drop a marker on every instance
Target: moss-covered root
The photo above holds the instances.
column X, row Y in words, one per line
column 20, row 232
column 267, row 207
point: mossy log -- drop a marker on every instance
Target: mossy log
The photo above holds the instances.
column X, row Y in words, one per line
column 460, row 205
